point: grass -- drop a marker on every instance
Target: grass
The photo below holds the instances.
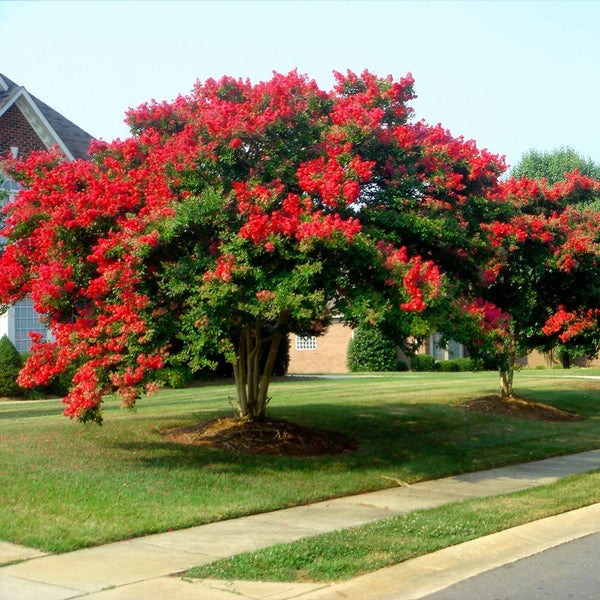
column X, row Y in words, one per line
column 345, row 554
column 66, row 486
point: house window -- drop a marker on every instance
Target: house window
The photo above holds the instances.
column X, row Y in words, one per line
column 9, row 189
column 26, row 320
column 8, row 192
column 453, row 349
column 306, row 342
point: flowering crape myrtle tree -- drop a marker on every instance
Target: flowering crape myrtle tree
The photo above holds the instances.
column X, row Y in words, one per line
column 230, row 217
column 553, row 167
column 540, row 286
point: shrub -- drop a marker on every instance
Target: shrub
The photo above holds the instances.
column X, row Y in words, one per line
column 422, row 362
column 401, row 366
column 282, row 361
column 10, row 365
column 448, row 366
column 460, row 364
column 371, row 350
column 469, row 364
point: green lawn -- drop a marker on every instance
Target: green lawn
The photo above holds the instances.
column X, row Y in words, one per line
column 65, row 485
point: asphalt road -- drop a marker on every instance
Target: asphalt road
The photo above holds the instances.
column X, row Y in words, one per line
column 567, row 572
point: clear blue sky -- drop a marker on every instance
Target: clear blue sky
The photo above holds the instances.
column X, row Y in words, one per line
column 510, row 74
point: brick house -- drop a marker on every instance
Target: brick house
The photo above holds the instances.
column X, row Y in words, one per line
column 28, row 124
column 328, row 353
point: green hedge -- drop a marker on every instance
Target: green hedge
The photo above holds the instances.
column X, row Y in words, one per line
column 447, row 366
column 422, row 362
column 426, row 362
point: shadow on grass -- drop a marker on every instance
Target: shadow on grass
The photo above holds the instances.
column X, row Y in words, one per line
column 583, row 399
column 29, row 412
column 414, row 439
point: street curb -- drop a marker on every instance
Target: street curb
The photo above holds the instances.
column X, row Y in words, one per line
column 433, row 572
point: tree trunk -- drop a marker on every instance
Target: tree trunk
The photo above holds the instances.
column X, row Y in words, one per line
column 506, row 381
column 507, row 369
column 565, row 359
column 253, row 385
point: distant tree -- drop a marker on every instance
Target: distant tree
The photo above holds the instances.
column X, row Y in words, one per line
column 554, row 165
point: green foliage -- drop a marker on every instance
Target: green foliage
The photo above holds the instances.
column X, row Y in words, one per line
column 371, row 350
column 422, row 362
column 61, row 384
column 175, row 377
column 553, row 165
column 469, row 364
column 10, row 365
column 460, row 365
column 447, row 366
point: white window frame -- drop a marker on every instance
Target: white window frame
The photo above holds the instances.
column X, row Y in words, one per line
column 305, row 342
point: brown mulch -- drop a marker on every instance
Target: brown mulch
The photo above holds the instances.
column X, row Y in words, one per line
column 518, row 407
column 281, row 438
column 284, row 438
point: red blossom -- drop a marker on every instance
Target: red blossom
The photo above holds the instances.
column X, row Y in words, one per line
column 569, row 324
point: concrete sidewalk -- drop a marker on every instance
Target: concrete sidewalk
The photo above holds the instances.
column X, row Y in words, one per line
column 142, row 568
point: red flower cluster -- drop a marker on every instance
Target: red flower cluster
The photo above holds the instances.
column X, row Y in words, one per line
column 569, row 324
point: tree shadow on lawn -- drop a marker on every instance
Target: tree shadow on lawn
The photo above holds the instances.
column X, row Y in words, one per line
column 418, row 440
column 579, row 398
column 29, row 412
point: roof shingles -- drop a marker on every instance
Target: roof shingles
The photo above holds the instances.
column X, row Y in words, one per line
column 72, row 136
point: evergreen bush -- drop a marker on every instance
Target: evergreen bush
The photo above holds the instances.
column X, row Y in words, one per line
column 10, row 365
column 423, row 362
column 371, row 350
column 447, row 366
column 469, row 364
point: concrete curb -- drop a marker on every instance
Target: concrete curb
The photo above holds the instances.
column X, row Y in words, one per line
column 431, row 573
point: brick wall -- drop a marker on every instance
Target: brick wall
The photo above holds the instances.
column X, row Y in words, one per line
column 332, row 350
column 329, row 355
column 16, row 131
column 538, row 359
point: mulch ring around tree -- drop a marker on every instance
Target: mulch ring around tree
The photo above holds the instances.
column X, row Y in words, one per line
column 521, row 408
column 280, row 438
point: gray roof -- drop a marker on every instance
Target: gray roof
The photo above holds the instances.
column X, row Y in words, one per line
column 73, row 137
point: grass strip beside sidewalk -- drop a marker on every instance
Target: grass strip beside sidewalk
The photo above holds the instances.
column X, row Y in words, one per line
column 348, row 553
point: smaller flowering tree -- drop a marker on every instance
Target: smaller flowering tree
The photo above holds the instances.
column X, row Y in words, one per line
column 541, row 280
